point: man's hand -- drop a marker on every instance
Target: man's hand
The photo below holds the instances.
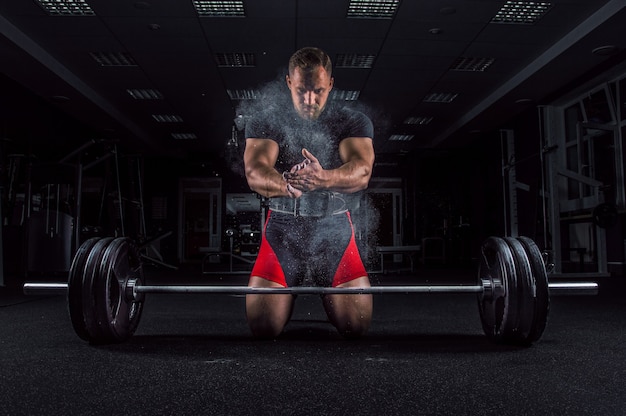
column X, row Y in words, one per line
column 307, row 175
column 293, row 192
column 290, row 176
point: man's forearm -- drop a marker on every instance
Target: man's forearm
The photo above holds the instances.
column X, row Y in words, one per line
column 351, row 177
column 266, row 182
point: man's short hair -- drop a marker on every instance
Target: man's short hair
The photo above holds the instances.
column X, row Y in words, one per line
column 309, row 58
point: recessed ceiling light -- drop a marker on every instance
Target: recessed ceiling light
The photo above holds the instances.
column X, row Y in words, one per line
column 472, row 64
column 372, row 9
column 167, row 118
column 145, row 94
column 440, row 97
column 344, row 95
column 211, row 8
column 354, row 60
column 243, row 94
column 401, row 137
column 184, row 136
column 235, row 59
column 66, row 7
column 251, row 94
column 113, row 58
column 521, row 12
column 418, row 120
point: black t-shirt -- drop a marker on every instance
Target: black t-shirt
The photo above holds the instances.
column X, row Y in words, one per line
column 321, row 137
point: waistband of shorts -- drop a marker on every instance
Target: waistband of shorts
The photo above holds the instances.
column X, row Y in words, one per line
column 314, row 204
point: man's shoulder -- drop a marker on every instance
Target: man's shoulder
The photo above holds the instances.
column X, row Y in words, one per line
column 356, row 123
column 345, row 114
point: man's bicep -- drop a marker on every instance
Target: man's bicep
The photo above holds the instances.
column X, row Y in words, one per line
column 260, row 152
column 353, row 148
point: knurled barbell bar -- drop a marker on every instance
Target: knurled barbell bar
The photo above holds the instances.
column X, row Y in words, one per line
column 570, row 288
column 105, row 290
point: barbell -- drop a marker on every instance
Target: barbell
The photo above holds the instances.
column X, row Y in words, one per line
column 106, row 291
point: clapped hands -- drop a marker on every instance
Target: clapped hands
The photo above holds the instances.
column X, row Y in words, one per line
column 306, row 176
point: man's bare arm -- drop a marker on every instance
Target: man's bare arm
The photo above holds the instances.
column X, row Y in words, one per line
column 354, row 175
column 259, row 158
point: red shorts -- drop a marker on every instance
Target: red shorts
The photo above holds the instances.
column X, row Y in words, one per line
column 303, row 251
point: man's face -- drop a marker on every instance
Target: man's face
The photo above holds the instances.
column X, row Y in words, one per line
column 309, row 91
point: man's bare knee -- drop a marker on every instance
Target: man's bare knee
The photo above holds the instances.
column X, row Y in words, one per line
column 267, row 315
column 350, row 314
column 265, row 327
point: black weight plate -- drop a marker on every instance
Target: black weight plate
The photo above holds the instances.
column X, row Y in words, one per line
column 75, row 288
column 525, row 295
column 498, row 313
column 101, row 289
column 542, row 296
column 118, row 316
column 90, row 277
column 128, row 313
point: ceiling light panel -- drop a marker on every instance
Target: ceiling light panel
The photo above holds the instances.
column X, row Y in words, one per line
column 251, row 94
column 418, row 121
column 401, row 137
column 235, row 60
column 472, row 64
column 243, row 94
column 440, row 97
column 521, row 12
column 113, row 58
column 145, row 94
column 344, row 95
column 372, row 9
column 167, row 118
column 66, row 7
column 184, row 136
column 210, row 8
column 354, row 60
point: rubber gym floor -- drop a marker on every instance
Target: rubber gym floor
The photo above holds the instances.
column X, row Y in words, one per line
column 425, row 354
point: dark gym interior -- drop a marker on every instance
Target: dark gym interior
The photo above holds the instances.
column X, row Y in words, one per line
column 124, row 118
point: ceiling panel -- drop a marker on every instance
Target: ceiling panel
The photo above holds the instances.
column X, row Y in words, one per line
column 174, row 50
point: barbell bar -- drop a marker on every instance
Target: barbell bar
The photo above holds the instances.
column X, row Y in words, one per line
column 106, row 290
column 563, row 288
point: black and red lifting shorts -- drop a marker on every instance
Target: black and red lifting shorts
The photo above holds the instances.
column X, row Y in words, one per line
column 308, row 250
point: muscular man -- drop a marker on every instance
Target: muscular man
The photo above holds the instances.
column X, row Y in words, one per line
column 311, row 158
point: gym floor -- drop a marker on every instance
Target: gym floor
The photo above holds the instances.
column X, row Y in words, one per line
column 424, row 354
